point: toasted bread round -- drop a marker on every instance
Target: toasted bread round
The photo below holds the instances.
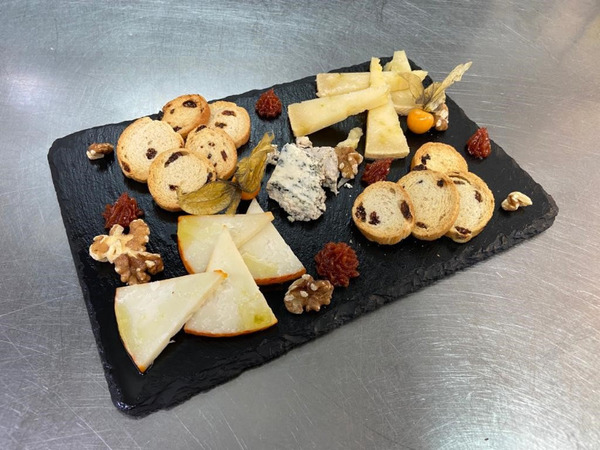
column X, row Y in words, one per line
column 437, row 156
column 232, row 119
column 383, row 213
column 141, row 142
column 435, row 200
column 177, row 168
column 185, row 113
column 217, row 147
column 476, row 206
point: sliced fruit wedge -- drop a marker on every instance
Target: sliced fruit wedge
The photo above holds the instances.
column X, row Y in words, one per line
column 196, row 235
column 268, row 257
column 149, row 315
column 237, row 306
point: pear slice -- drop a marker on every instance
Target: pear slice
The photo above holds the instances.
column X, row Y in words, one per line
column 267, row 255
column 237, row 306
column 385, row 138
column 149, row 315
column 196, row 235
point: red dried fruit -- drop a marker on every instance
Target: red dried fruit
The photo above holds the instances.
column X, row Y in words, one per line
column 376, row 171
column 268, row 105
column 124, row 211
column 479, row 144
column 337, row 262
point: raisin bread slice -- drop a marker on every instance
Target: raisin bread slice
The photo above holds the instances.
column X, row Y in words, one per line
column 177, row 168
column 440, row 157
column 141, row 142
column 232, row 119
column 476, row 206
column 435, row 200
column 185, row 113
column 217, row 147
column 383, row 213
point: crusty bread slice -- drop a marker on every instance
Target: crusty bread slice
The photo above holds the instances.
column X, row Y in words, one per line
column 215, row 145
column 435, row 200
column 476, row 206
column 141, row 142
column 185, row 113
column 440, row 157
column 232, row 119
column 383, row 213
column 177, row 168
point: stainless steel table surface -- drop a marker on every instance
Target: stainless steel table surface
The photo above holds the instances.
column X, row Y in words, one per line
column 503, row 355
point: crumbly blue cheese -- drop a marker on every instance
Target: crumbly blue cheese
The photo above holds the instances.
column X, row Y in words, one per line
column 296, row 184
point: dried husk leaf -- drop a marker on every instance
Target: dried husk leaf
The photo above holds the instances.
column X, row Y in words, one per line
column 211, row 198
column 250, row 170
column 235, row 201
column 435, row 94
column 415, row 86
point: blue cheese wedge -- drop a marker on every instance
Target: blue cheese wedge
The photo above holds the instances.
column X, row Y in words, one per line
column 296, row 184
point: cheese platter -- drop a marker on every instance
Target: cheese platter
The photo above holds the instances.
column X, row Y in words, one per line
column 191, row 364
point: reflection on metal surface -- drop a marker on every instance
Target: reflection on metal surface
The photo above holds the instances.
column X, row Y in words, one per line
column 505, row 355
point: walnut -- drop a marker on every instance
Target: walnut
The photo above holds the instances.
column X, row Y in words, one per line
column 97, row 151
column 515, row 200
column 348, row 161
column 307, row 294
column 440, row 116
column 128, row 252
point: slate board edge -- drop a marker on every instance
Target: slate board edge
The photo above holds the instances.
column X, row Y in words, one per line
column 502, row 242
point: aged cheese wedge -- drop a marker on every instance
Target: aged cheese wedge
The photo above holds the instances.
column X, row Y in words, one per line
column 267, row 255
column 149, row 315
column 237, row 306
column 313, row 115
column 196, row 235
column 399, row 63
column 385, row 138
column 341, row 83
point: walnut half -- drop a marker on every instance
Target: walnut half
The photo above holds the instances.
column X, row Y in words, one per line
column 128, row 252
column 514, row 200
column 97, row 151
column 307, row 294
column 348, row 161
column 440, row 116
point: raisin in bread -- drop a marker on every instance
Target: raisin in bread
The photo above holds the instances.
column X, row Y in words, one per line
column 177, row 168
column 435, row 201
column 141, row 142
column 217, row 147
column 476, row 206
column 185, row 113
column 383, row 213
column 232, row 119
column 440, row 157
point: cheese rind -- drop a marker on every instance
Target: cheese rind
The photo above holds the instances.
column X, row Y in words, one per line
column 196, row 235
column 237, row 306
column 149, row 314
column 268, row 257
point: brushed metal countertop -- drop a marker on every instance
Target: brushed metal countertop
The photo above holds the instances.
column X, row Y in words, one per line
column 503, row 355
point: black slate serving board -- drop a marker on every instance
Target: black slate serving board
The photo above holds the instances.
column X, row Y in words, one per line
column 194, row 364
